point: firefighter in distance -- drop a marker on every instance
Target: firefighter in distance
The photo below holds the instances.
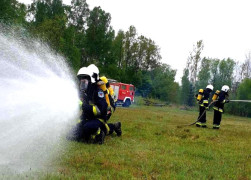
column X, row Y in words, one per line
column 202, row 98
column 221, row 98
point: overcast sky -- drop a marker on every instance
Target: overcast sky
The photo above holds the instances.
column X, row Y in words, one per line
column 176, row 25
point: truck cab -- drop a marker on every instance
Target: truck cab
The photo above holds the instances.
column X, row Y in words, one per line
column 124, row 93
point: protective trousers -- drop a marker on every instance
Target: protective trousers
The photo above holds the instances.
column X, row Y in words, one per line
column 92, row 127
column 85, row 129
column 203, row 117
column 217, row 117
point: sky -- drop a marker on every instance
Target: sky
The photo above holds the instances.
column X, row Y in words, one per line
column 176, row 25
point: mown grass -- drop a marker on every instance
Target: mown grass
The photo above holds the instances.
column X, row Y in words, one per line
column 154, row 146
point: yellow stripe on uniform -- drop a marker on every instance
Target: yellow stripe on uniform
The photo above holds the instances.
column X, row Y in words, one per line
column 106, row 125
column 205, row 101
column 96, row 111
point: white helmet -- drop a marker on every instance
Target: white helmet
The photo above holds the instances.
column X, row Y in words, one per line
column 225, row 88
column 94, row 72
column 210, row 87
column 84, row 71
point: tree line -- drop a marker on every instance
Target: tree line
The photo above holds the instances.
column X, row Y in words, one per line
column 201, row 71
column 85, row 36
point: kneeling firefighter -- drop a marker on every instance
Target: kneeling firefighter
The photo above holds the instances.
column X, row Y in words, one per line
column 109, row 91
column 94, row 108
column 202, row 98
column 221, row 98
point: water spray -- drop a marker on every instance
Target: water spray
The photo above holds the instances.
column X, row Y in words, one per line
column 39, row 100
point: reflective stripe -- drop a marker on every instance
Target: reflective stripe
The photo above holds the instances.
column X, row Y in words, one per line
column 97, row 133
column 218, row 109
column 96, row 111
column 80, row 103
column 216, row 125
column 199, row 123
column 205, row 101
column 106, row 125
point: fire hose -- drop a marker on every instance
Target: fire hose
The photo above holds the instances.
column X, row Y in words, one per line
column 249, row 101
column 200, row 115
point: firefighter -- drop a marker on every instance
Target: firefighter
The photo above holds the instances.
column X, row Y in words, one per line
column 113, row 126
column 91, row 127
column 219, row 106
column 202, row 98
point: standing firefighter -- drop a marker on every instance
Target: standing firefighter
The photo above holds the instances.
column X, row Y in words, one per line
column 109, row 91
column 221, row 99
column 202, row 98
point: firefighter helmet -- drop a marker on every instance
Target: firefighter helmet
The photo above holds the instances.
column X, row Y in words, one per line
column 104, row 79
column 225, row 88
column 83, row 72
column 210, row 87
column 94, row 72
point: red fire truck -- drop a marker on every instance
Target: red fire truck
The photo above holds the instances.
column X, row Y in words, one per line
column 124, row 93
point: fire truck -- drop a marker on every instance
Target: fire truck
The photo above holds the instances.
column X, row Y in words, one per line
column 124, row 93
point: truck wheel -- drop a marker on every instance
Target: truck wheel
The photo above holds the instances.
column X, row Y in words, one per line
column 127, row 103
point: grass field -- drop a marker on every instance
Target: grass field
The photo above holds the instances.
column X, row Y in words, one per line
column 154, row 146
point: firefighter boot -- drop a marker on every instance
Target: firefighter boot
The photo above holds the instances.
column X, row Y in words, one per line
column 216, row 126
column 117, row 128
column 200, row 124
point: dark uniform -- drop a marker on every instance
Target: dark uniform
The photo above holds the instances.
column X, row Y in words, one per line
column 113, row 126
column 203, row 105
column 92, row 126
column 219, row 108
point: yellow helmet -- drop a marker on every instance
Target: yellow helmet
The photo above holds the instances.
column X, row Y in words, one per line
column 104, row 79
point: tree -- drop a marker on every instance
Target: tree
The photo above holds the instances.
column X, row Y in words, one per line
column 118, row 49
column 11, row 11
column 246, row 67
column 215, row 77
column 99, row 37
column 185, row 88
column 194, row 60
column 78, row 15
column 129, row 46
column 163, row 83
column 226, row 68
column 204, row 73
column 244, row 93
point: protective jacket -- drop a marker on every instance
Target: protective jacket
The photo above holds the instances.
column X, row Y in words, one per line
column 205, row 97
column 94, row 104
column 222, row 99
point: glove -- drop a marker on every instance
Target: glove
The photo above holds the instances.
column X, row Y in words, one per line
column 207, row 108
column 85, row 101
column 226, row 101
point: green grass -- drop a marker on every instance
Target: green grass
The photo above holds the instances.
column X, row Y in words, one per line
column 154, row 146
